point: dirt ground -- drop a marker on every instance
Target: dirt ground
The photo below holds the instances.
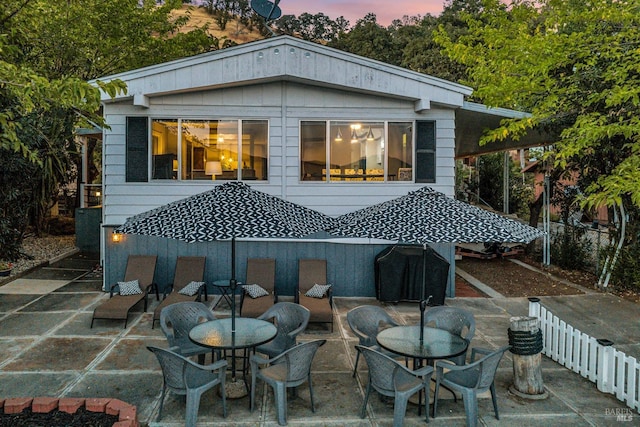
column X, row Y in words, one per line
column 513, row 280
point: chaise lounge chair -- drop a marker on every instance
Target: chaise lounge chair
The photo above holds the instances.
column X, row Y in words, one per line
column 188, row 269
column 313, row 291
column 139, row 267
column 260, row 271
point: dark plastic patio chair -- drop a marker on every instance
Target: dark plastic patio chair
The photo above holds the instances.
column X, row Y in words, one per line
column 470, row 380
column 291, row 320
column 365, row 322
column 390, row 378
column 456, row 320
column 176, row 320
column 185, row 377
column 289, row 369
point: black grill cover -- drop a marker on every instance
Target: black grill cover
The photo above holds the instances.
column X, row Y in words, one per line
column 398, row 271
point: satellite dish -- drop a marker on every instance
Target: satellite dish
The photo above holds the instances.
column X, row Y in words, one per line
column 268, row 10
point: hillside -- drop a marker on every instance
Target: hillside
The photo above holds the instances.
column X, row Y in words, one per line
column 234, row 31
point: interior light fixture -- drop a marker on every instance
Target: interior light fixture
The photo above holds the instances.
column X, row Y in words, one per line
column 370, row 136
column 338, row 136
column 213, row 169
column 354, row 136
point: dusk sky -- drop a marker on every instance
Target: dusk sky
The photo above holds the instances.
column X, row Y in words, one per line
column 385, row 10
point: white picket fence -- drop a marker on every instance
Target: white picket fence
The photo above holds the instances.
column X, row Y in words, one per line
column 596, row 359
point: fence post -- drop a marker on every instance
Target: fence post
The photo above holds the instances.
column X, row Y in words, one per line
column 534, row 307
column 606, row 365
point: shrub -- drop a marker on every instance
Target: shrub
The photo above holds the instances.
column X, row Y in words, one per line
column 571, row 248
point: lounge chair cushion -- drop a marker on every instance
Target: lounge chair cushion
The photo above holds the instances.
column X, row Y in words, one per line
column 191, row 288
column 132, row 287
column 318, row 291
column 255, row 290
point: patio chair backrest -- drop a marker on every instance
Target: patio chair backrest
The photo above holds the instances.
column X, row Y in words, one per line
column 381, row 369
column 141, row 268
column 188, row 269
column 176, row 320
column 365, row 321
column 290, row 319
column 298, row 360
column 173, row 367
column 487, row 368
column 310, row 272
column 261, row 271
column 456, row 320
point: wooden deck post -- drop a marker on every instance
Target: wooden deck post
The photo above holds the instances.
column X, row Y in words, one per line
column 525, row 339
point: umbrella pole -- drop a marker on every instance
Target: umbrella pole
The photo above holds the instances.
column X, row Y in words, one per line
column 423, row 302
column 233, row 284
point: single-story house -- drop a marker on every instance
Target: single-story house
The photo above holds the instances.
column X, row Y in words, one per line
column 326, row 129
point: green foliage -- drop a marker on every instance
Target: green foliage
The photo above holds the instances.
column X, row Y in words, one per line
column 491, row 184
column 48, row 51
column 571, row 248
column 574, row 66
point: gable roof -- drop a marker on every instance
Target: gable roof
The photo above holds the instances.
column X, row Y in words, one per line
column 285, row 58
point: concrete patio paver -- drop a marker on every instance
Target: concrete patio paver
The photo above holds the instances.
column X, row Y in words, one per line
column 48, row 349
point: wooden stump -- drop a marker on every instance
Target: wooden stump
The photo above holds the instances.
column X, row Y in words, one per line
column 527, row 369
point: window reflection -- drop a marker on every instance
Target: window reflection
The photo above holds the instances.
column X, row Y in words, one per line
column 210, row 149
column 358, row 151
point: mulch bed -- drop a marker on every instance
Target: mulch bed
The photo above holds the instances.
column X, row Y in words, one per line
column 56, row 418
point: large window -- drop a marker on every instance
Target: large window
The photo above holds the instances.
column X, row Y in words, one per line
column 360, row 151
column 209, row 149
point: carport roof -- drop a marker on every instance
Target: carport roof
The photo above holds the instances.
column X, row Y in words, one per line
column 473, row 119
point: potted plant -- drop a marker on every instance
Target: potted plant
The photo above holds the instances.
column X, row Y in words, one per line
column 5, row 268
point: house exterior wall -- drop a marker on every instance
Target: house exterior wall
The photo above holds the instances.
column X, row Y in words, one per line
column 284, row 105
column 350, row 267
column 283, row 80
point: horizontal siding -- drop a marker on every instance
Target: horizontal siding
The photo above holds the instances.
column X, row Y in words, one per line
column 350, row 267
column 122, row 200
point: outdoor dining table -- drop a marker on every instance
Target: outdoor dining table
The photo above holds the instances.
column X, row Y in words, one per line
column 249, row 333
column 436, row 344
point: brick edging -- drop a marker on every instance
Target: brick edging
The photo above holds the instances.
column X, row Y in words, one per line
column 127, row 414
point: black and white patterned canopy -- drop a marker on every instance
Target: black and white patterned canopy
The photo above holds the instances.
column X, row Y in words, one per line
column 427, row 216
column 230, row 210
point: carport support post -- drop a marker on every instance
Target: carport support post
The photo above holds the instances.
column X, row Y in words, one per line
column 525, row 339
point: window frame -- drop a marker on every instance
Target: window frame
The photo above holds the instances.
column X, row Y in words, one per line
column 328, row 142
column 179, row 123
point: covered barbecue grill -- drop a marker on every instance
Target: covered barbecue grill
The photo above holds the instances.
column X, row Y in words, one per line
column 398, row 274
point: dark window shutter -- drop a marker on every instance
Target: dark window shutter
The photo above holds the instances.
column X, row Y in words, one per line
column 425, row 151
column 137, row 161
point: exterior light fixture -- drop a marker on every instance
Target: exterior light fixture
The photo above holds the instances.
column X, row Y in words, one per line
column 116, row 237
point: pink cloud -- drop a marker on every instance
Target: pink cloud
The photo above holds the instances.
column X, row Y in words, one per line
column 385, row 10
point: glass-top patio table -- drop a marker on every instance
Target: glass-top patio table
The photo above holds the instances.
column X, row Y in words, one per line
column 436, row 344
column 249, row 333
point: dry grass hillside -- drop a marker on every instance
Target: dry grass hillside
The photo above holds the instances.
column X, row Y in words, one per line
column 234, row 30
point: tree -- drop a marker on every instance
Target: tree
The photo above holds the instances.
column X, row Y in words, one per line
column 574, row 66
column 47, row 52
column 370, row 39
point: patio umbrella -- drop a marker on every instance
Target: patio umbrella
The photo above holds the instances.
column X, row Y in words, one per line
column 427, row 216
column 229, row 211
